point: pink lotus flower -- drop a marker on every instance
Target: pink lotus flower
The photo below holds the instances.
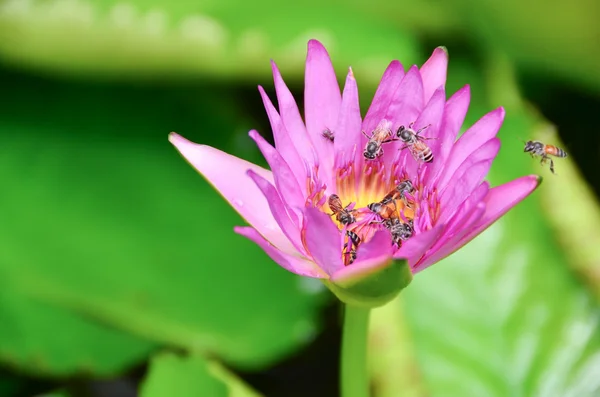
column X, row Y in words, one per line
column 287, row 207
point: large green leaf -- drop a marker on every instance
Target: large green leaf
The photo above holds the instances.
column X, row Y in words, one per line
column 43, row 339
column 173, row 375
column 103, row 216
column 504, row 316
column 235, row 38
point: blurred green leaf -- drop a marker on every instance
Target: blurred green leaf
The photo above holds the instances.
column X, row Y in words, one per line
column 235, row 386
column 580, row 237
column 41, row 339
column 123, row 229
column 504, row 316
column 140, row 38
column 171, row 375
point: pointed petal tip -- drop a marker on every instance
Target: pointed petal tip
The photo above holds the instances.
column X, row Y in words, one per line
column 441, row 48
column 175, row 138
column 350, row 72
column 315, row 44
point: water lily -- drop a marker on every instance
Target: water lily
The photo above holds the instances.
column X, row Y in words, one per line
column 322, row 155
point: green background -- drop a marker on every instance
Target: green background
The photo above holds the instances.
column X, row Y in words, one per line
column 120, row 274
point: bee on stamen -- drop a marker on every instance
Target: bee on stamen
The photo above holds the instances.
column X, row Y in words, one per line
column 400, row 192
column 382, row 134
column 354, row 241
column 328, row 134
column 537, row 148
column 415, row 143
column 343, row 215
column 400, row 231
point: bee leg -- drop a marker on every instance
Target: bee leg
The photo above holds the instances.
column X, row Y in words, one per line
column 403, row 147
column 390, row 140
column 552, row 166
column 365, row 134
column 423, row 128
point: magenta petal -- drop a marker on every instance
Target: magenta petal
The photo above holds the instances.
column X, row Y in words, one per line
column 467, row 177
column 434, row 72
column 347, row 130
column 288, row 109
column 290, row 228
column 370, row 257
column 322, row 100
column 407, row 103
column 322, row 240
column 432, row 115
column 455, row 111
column 453, row 244
column 228, row 175
column 500, row 200
column 414, row 249
column 287, row 185
column 283, row 142
column 291, row 263
column 390, row 81
column 482, row 131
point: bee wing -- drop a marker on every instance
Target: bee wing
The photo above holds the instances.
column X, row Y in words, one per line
column 335, row 204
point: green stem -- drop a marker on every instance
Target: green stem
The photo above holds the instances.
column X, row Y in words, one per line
column 354, row 377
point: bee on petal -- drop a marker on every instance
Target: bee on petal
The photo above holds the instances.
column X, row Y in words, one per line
column 537, row 148
column 400, row 231
column 415, row 143
column 380, row 135
column 328, row 134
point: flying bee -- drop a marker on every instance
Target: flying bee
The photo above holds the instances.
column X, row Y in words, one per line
column 400, row 191
column 537, row 148
column 343, row 215
column 328, row 134
column 400, row 231
column 380, row 135
column 414, row 142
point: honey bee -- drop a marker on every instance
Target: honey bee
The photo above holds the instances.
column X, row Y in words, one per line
column 400, row 231
column 382, row 134
column 327, row 133
column 414, row 142
column 400, row 191
column 343, row 215
column 354, row 240
column 384, row 210
column 537, row 148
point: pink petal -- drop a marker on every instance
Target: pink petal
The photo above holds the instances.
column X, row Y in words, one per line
column 322, row 100
column 406, row 106
column 417, row 246
column 467, row 177
column 291, row 263
column 500, row 200
column 287, row 186
column 228, row 175
column 434, row 71
column 456, row 223
column 322, row 240
column 452, row 245
column 348, row 128
column 284, row 144
column 390, row 81
column 432, row 115
column 482, row 131
column 455, row 111
column 288, row 109
column 290, row 228
column 370, row 257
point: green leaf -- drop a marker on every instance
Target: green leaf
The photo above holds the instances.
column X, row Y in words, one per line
column 171, row 375
column 45, row 340
column 126, row 231
column 504, row 316
column 139, row 38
